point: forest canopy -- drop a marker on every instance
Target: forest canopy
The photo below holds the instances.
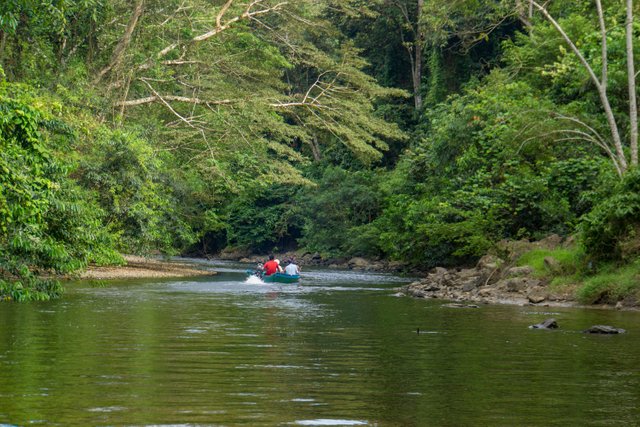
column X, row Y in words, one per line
column 421, row 131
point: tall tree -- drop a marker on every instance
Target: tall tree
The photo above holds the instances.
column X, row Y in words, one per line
column 424, row 32
column 411, row 20
column 615, row 148
column 261, row 75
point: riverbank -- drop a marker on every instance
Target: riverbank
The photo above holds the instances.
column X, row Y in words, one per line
column 137, row 267
column 494, row 280
column 317, row 260
column 549, row 272
column 488, row 284
column 525, row 273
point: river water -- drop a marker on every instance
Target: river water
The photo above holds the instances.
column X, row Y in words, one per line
column 340, row 349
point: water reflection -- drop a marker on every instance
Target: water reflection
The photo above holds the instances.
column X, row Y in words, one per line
column 329, row 422
column 337, row 349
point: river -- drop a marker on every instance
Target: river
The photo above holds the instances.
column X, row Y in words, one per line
column 340, row 349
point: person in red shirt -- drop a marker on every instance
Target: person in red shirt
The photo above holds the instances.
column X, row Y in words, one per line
column 270, row 267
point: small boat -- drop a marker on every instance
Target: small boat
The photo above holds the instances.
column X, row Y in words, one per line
column 281, row 278
column 276, row 277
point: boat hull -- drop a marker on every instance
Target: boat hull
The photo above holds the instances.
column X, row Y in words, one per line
column 278, row 278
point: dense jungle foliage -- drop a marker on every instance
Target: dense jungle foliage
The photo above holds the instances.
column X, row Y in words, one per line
column 422, row 131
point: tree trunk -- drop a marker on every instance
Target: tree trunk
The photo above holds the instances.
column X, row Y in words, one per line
column 524, row 12
column 61, row 48
column 417, row 78
column 600, row 86
column 603, row 37
column 530, row 10
column 91, row 43
column 418, row 61
column 3, row 45
column 631, row 74
column 124, row 42
column 315, row 149
column 414, row 47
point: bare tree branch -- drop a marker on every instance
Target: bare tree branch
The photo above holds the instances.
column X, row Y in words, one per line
column 296, row 104
column 188, row 122
column 595, row 138
column 248, row 14
column 602, row 92
column 159, row 98
column 224, row 9
column 581, row 123
column 631, row 75
column 181, row 62
column 578, row 136
column 325, row 88
column 603, row 37
column 124, row 42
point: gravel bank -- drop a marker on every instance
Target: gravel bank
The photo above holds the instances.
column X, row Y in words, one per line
column 142, row 268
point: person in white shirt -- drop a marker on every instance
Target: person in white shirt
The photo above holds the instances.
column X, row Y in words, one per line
column 292, row 269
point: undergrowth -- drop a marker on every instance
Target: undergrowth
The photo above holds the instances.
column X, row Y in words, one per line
column 611, row 284
column 571, row 261
column 601, row 283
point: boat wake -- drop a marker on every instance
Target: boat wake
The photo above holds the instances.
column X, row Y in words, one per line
column 254, row 280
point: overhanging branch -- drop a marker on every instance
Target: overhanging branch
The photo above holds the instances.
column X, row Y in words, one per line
column 173, row 98
column 248, row 14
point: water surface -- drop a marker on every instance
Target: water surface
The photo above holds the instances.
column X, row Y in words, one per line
column 339, row 350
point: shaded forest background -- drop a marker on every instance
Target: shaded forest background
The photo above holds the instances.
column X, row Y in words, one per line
column 413, row 130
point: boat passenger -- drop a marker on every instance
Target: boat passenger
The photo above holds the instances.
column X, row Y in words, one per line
column 270, row 267
column 280, row 270
column 259, row 270
column 292, row 268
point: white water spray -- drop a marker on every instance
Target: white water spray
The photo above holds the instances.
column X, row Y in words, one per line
column 254, row 280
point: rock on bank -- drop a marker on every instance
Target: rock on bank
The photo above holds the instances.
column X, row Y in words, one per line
column 493, row 280
column 486, row 283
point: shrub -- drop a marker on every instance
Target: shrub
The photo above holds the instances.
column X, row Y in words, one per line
column 611, row 284
column 571, row 260
column 48, row 224
column 611, row 231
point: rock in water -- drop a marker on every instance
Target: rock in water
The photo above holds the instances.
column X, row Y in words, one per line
column 547, row 324
column 604, row 329
column 458, row 305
